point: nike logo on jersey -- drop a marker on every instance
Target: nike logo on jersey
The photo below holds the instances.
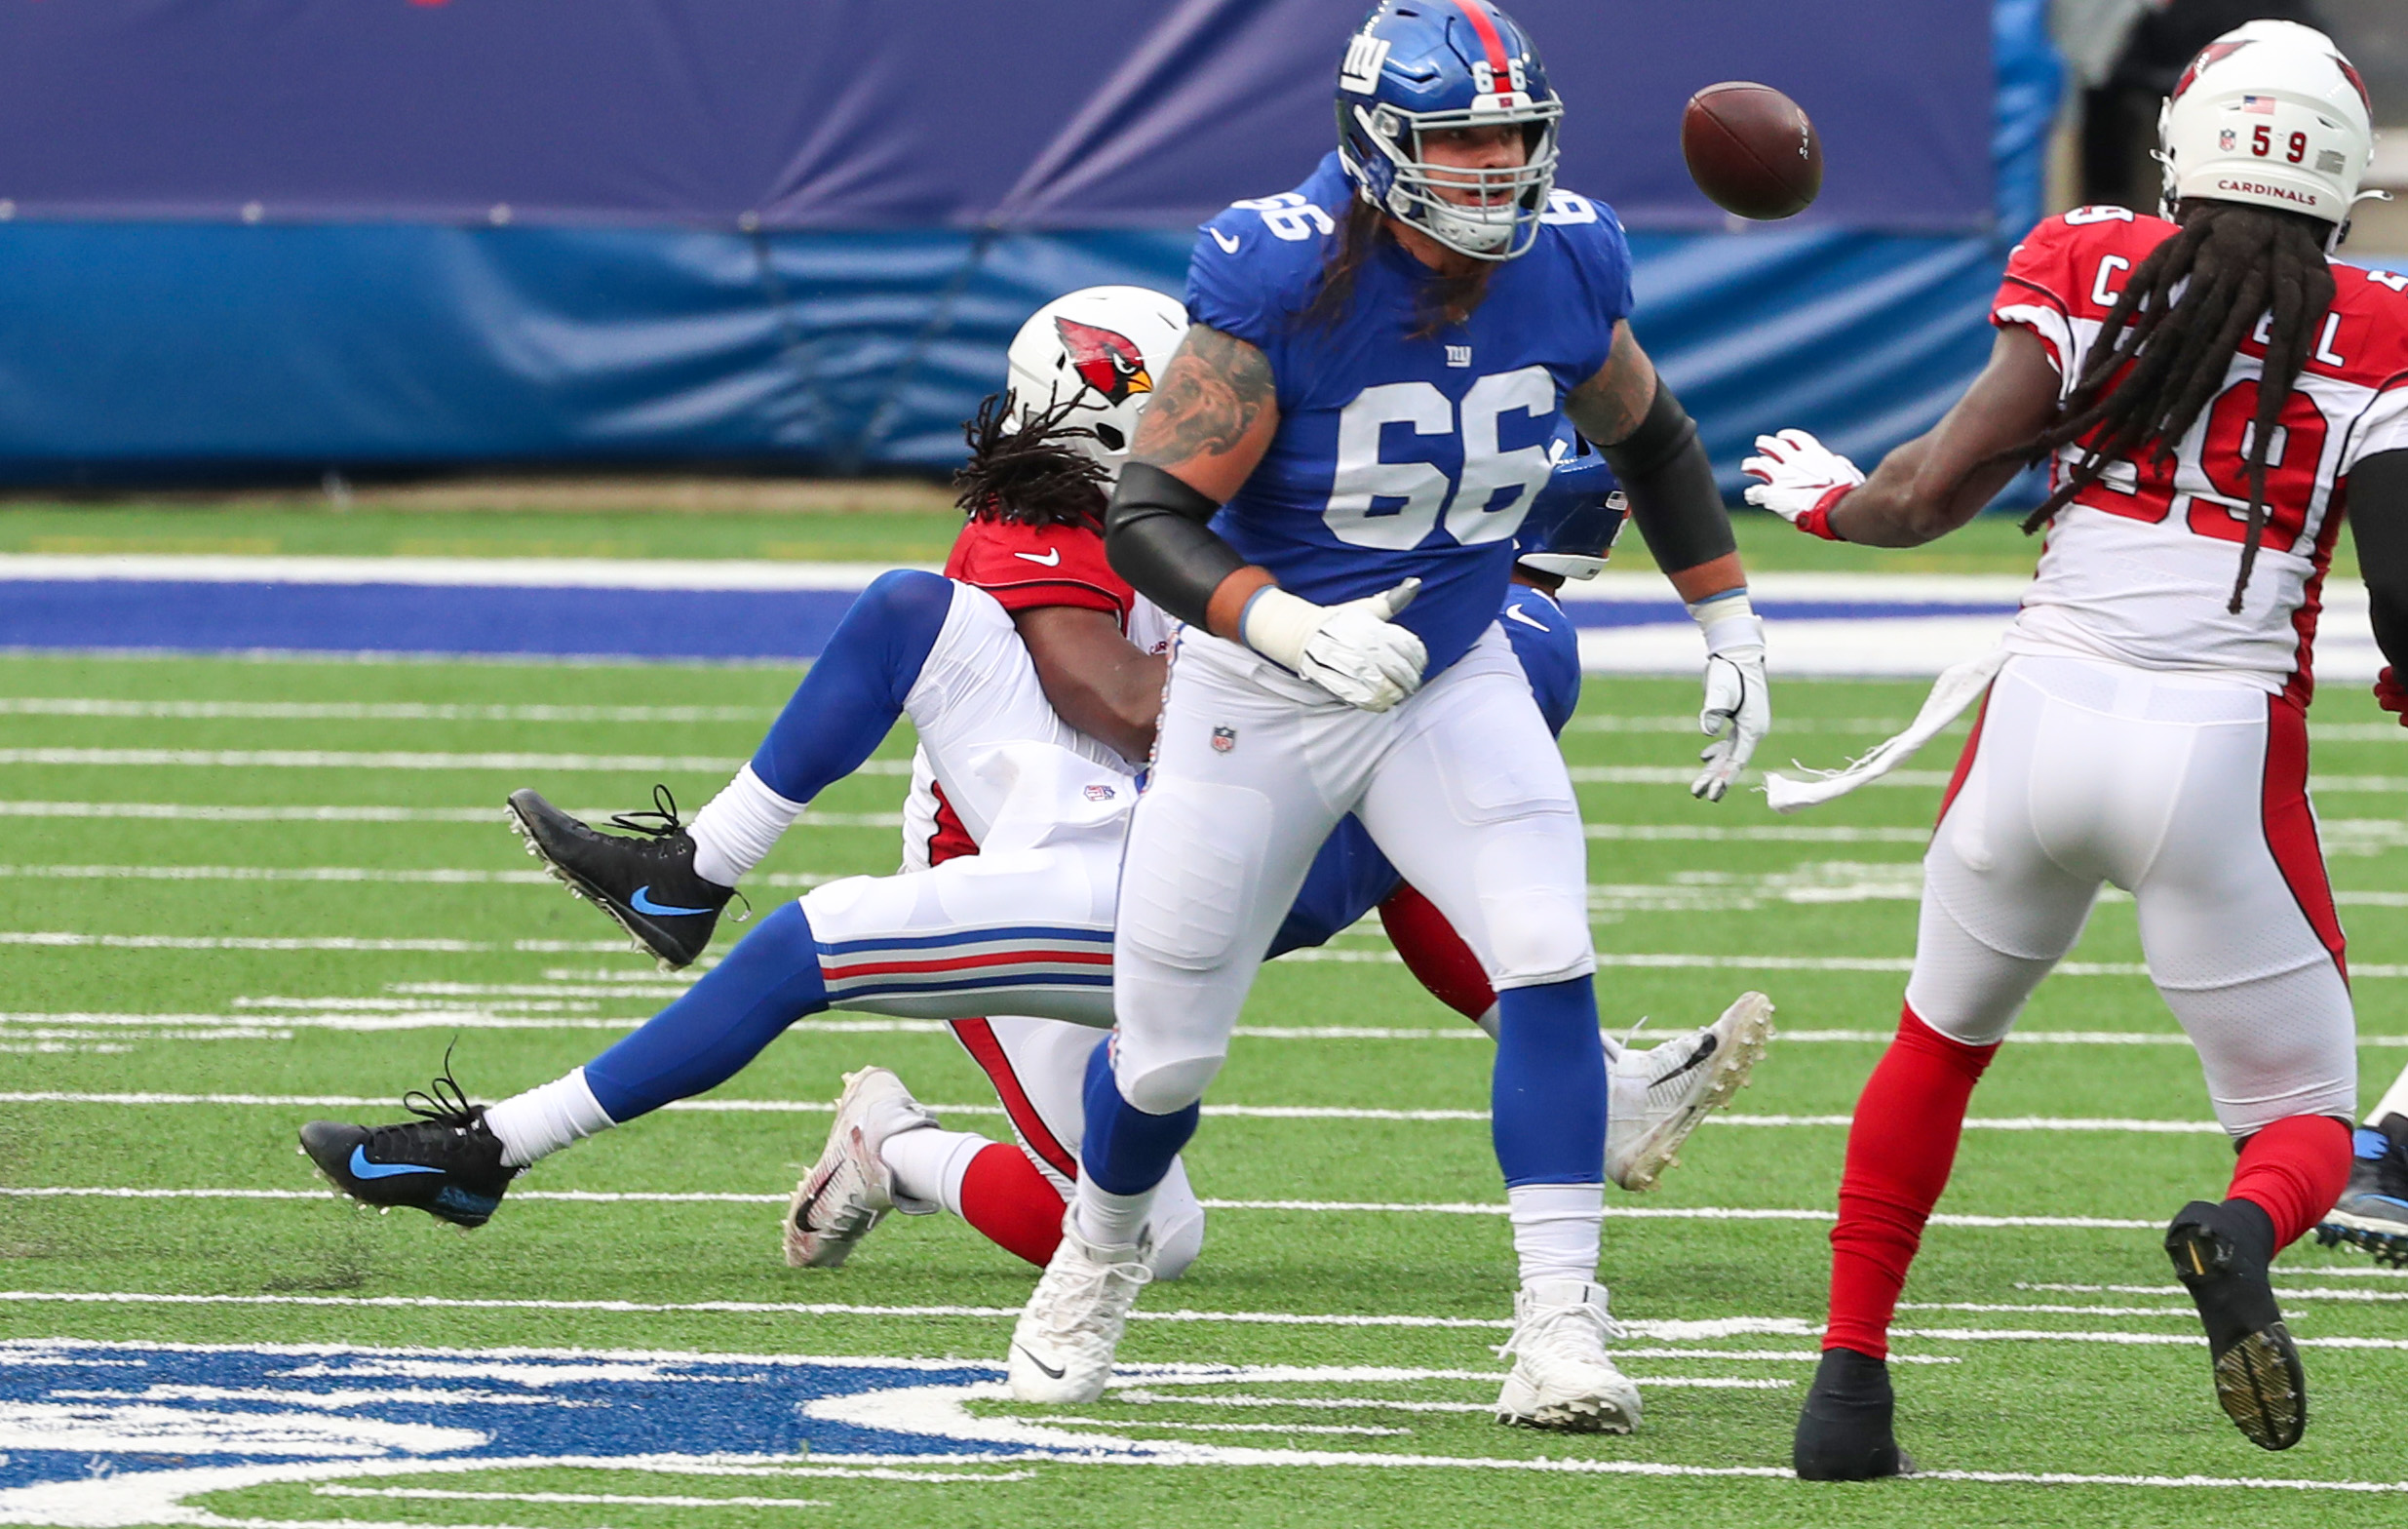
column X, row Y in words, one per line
column 362, row 1169
column 643, row 902
column 1040, row 1363
column 1051, row 558
column 1515, row 613
column 1229, row 246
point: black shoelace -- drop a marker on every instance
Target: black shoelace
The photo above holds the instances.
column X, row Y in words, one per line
column 443, row 1101
column 659, row 823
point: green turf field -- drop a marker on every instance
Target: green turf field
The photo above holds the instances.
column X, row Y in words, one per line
column 259, row 957
column 879, row 522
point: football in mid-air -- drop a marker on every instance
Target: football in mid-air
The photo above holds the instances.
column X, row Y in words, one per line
column 1751, row 151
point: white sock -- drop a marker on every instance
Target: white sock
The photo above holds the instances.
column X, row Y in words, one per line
column 1109, row 1220
column 1555, row 1229
column 542, row 1121
column 927, row 1164
column 2394, row 1100
column 736, row 829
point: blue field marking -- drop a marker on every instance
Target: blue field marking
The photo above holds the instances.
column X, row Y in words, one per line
column 89, row 1421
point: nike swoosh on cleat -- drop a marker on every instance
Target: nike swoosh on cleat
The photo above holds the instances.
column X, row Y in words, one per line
column 361, row 1168
column 1050, row 1371
column 642, row 903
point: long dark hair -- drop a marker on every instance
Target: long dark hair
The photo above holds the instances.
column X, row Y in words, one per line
column 2199, row 293
column 1445, row 302
column 1021, row 468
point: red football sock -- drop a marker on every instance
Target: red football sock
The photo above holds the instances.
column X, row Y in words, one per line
column 1434, row 953
column 1017, row 1207
column 1900, row 1146
column 2294, row 1170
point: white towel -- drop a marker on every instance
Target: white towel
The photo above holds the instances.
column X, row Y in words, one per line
column 1950, row 695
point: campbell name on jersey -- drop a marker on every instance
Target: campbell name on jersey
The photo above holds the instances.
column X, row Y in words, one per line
column 2139, row 569
column 1400, row 456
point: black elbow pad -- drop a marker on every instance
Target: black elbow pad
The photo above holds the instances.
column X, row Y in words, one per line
column 1673, row 497
column 1155, row 537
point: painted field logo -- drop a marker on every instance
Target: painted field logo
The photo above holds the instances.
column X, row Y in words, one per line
column 98, row 1435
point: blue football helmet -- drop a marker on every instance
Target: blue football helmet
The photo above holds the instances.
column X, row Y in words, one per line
column 1575, row 518
column 1418, row 65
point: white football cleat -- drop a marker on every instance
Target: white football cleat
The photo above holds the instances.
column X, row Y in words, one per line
column 1660, row 1095
column 849, row 1190
column 1561, row 1376
column 1062, row 1346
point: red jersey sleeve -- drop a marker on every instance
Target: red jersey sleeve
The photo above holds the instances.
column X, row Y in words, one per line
column 1029, row 566
column 2068, row 270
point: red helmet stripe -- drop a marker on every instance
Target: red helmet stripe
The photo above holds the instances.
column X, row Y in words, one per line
column 1490, row 38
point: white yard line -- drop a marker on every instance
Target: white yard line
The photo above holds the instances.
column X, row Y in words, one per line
column 246, row 942
column 374, row 711
column 204, row 812
column 348, row 758
column 588, row 1499
column 1311, row 1206
column 439, row 877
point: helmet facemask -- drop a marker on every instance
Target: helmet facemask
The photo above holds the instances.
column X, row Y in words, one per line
column 1501, row 221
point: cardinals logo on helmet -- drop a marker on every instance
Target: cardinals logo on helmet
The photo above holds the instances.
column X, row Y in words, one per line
column 2213, row 53
column 1107, row 361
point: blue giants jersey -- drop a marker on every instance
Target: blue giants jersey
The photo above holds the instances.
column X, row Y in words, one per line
column 1397, row 456
column 1350, row 876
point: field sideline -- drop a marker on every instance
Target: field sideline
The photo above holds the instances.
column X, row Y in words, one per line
column 198, row 950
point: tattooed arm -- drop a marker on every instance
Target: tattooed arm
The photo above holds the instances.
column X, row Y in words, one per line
column 1652, row 445
column 1211, row 420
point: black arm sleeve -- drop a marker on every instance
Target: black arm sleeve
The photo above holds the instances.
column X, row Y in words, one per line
column 2379, row 521
column 1673, row 497
column 1155, row 537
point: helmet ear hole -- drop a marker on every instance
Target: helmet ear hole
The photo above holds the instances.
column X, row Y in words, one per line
column 1111, row 436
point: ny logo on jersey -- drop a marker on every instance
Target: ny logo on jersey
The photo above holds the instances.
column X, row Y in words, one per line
column 1459, row 355
column 1366, row 55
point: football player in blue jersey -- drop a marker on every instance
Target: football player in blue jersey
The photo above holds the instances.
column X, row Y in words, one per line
column 1326, row 489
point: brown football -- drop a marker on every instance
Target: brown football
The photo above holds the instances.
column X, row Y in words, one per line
column 1751, row 151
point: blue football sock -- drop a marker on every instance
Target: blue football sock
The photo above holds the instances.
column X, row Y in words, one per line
column 1125, row 1150
column 767, row 982
column 855, row 689
column 1549, row 1095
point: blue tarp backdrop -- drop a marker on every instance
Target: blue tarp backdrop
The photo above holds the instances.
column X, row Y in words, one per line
column 275, row 234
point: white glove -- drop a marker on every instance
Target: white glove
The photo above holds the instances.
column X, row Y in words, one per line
column 1802, row 479
column 1353, row 650
column 1737, row 697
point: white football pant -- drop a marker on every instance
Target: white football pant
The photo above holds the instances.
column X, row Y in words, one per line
column 2188, row 791
column 1460, row 785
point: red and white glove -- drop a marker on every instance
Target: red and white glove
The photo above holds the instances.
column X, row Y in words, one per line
column 1800, row 478
column 2392, row 695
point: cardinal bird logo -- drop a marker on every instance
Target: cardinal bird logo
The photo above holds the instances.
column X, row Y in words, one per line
column 1106, row 360
column 2213, row 53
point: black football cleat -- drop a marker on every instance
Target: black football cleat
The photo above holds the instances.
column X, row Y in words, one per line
column 2373, row 1213
column 644, row 879
column 1844, row 1431
column 446, row 1163
column 2219, row 1254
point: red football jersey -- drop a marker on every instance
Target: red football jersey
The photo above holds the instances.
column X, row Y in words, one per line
column 1029, row 566
column 2139, row 567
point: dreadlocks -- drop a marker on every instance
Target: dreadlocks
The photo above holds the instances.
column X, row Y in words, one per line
column 1022, row 470
column 1446, row 300
column 2203, row 290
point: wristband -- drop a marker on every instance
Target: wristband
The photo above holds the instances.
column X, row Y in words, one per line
column 1728, row 620
column 1277, row 625
column 1816, row 521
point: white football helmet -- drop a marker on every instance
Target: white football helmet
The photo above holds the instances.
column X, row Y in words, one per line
column 2270, row 114
column 1099, row 349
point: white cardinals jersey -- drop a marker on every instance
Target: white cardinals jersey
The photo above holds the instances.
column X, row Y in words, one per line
column 2139, row 567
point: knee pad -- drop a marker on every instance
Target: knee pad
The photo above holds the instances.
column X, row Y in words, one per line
column 1194, row 859
column 1166, row 1087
